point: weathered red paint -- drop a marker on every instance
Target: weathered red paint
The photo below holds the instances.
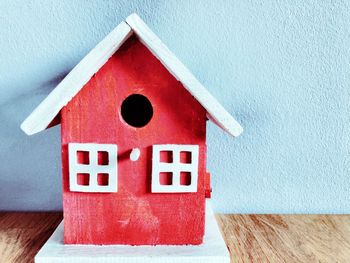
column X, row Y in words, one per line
column 134, row 215
column 207, row 185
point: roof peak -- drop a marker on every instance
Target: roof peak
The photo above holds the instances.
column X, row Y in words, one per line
column 48, row 109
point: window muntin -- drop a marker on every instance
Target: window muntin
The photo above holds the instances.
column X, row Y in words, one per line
column 174, row 168
column 93, row 167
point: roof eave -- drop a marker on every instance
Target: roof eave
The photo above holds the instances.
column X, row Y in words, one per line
column 48, row 109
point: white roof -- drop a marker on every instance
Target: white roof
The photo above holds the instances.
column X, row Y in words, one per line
column 48, row 109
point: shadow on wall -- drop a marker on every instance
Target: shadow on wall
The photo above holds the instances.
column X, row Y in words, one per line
column 30, row 169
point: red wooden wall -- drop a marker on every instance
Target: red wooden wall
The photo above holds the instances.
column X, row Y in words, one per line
column 133, row 215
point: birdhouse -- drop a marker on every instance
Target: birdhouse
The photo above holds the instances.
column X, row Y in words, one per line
column 133, row 133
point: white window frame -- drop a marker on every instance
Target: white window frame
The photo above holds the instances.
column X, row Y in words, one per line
column 93, row 168
column 175, row 167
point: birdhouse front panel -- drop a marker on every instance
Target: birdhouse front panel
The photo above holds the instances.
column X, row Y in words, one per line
column 134, row 156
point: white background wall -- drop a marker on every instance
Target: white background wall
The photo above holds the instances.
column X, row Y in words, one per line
column 280, row 67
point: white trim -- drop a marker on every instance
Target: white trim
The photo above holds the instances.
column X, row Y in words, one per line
column 214, row 109
column 93, row 168
column 47, row 110
column 175, row 167
column 41, row 117
column 213, row 249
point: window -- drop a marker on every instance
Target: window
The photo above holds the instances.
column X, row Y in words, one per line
column 174, row 168
column 93, row 167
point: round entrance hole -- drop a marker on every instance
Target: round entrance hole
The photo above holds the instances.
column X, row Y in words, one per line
column 136, row 110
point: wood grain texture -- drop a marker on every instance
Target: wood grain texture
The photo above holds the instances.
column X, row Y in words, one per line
column 213, row 250
column 23, row 234
column 250, row 238
column 134, row 215
column 287, row 238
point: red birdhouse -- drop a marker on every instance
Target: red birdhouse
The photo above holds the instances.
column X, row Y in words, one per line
column 133, row 131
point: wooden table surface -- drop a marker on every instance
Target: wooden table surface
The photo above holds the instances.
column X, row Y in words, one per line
column 250, row 238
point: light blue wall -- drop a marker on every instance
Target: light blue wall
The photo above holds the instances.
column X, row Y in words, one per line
column 280, row 67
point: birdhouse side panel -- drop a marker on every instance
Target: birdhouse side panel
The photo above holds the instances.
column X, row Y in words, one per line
column 133, row 213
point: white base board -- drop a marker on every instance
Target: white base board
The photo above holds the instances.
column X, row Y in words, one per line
column 212, row 250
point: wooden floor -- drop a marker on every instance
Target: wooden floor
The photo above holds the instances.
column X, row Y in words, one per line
column 250, row 238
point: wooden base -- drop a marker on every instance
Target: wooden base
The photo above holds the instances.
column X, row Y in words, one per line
column 212, row 250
